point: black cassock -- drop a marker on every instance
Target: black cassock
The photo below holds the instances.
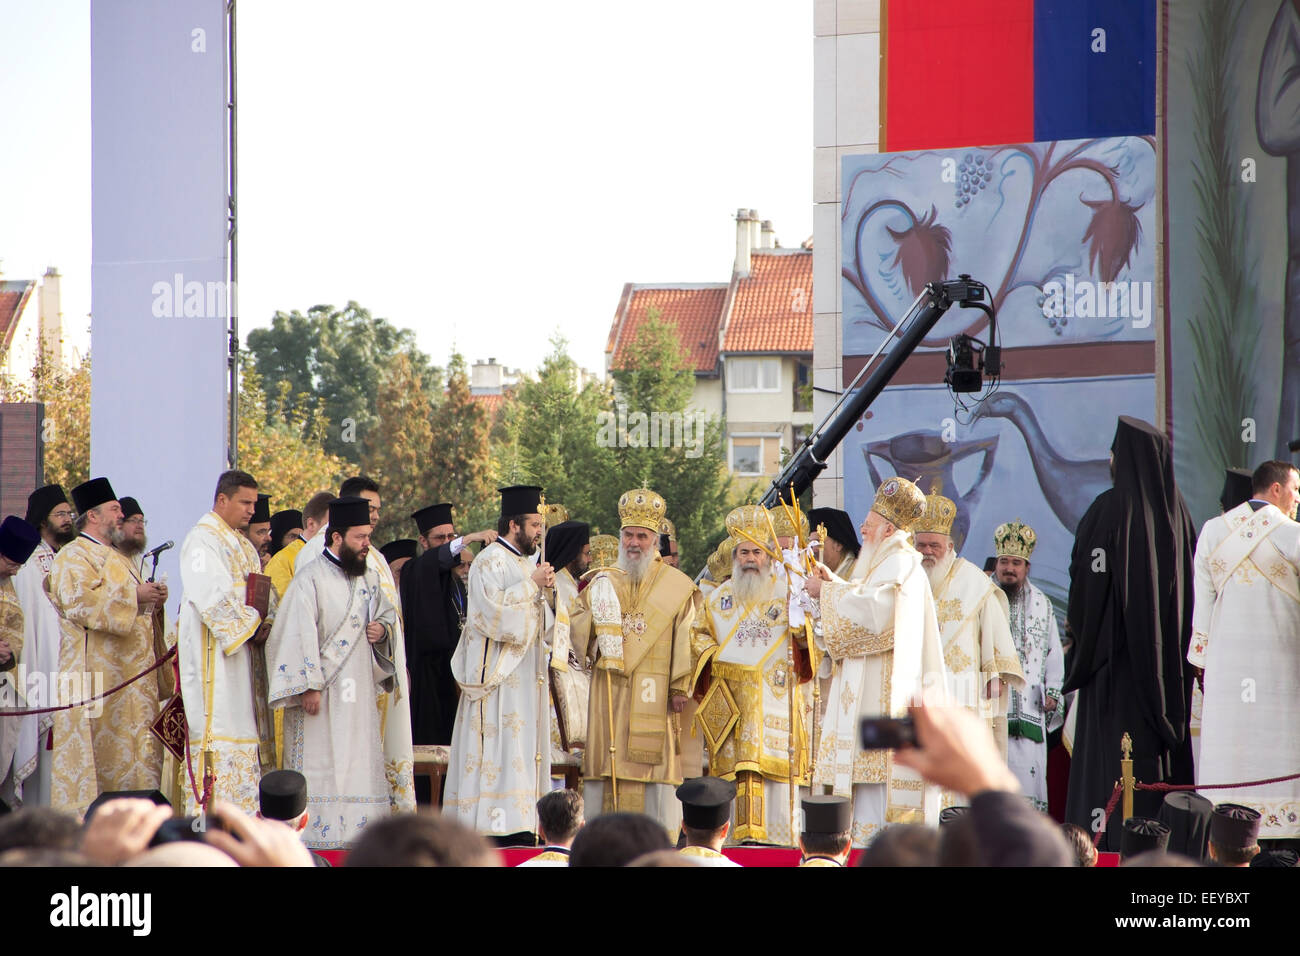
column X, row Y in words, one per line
column 431, row 597
column 1131, row 615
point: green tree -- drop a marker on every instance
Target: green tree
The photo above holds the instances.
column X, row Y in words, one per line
column 398, row 454
column 461, row 468
column 334, row 362
column 65, row 429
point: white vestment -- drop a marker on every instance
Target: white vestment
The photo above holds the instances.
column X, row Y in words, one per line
column 1246, row 634
column 500, row 760
column 882, row 637
column 216, row 666
column 319, row 643
column 38, row 671
column 1038, row 642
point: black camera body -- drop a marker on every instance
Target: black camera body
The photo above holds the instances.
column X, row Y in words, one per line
column 887, row 733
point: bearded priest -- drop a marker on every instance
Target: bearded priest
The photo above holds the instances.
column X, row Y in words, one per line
column 973, row 621
column 742, row 677
column 880, row 632
column 641, row 611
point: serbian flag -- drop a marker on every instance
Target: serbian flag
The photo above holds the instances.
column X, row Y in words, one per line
column 967, row 72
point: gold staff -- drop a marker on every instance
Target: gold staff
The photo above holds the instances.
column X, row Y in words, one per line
column 543, row 693
column 789, row 683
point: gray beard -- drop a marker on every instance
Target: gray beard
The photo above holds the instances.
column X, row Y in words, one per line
column 941, row 569
column 636, row 569
column 751, row 586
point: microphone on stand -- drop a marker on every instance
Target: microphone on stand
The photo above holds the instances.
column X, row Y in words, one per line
column 155, row 553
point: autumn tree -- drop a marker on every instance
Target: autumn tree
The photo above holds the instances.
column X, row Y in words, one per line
column 461, row 468
column 398, row 453
column 65, row 429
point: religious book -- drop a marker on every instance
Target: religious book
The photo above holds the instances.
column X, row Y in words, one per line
column 170, row 727
column 257, row 593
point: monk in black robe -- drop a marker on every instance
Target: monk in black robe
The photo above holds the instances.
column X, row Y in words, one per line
column 1130, row 611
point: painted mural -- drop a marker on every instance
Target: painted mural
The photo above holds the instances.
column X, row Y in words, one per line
column 1063, row 234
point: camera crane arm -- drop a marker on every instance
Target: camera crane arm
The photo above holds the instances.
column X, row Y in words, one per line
column 935, row 300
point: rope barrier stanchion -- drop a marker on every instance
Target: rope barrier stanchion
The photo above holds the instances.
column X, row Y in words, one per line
column 1110, row 808
column 4, row 712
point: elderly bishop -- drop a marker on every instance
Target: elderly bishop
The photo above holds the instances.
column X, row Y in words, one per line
column 973, row 621
column 883, row 640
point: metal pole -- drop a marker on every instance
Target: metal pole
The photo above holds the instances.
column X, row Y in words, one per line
column 232, row 236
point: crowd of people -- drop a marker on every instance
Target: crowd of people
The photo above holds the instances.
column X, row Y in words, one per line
column 876, row 695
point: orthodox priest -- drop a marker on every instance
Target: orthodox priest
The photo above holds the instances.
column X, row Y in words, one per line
column 1130, row 611
column 641, row 612
column 883, row 640
column 500, row 762
column 328, row 656
column 50, row 512
column 972, row 614
column 743, row 678
column 106, row 618
column 841, row 547
column 18, row 540
column 216, row 630
column 568, row 550
column 1036, row 709
column 1244, row 629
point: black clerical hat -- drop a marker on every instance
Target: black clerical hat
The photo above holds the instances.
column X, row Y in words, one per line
column 42, row 501
column 1234, row 827
column 520, row 500
column 401, row 548
column 282, row 794
column 348, row 513
column 92, row 494
column 130, row 507
column 1187, row 815
column 282, row 522
column 1142, row 834
column 665, row 544
column 261, row 510
column 951, row 815
column 18, row 539
column 565, row 541
column 432, row 516
column 706, row 802
column 839, row 526
column 827, row 814
column 1276, row 858
column 1236, row 488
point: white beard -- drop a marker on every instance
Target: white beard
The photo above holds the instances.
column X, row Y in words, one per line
column 940, row 570
column 636, row 568
column 751, row 586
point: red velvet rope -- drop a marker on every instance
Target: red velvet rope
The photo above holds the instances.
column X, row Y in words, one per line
column 1110, row 808
column 90, row 700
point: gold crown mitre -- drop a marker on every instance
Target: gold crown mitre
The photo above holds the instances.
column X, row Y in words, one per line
column 722, row 557
column 747, row 520
column 641, row 508
column 1015, row 539
column 899, row 502
column 555, row 514
column 667, row 527
column 939, row 512
column 784, row 527
column 604, row 551
column 715, row 567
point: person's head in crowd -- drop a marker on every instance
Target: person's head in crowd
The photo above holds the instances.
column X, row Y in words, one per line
column 827, row 825
column 706, row 810
column 348, row 535
column 362, row 487
column 1161, row 858
column 958, row 842
column 1278, row 483
column 50, row 513
column 902, row 844
column 316, row 513
column 235, row 499
column 434, row 525
column 663, row 858
column 398, row 554
column 181, row 853
column 560, row 817
column 1141, row 835
column 259, row 527
column 285, row 526
column 130, row 537
column 282, row 795
column 98, row 510
column 18, row 540
column 39, row 827
column 421, row 839
column 616, row 839
column 44, row 856
column 1276, row 858
column 1234, row 834
column 841, row 539
column 1085, row 854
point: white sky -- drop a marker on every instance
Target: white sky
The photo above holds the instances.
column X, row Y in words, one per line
column 483, row 173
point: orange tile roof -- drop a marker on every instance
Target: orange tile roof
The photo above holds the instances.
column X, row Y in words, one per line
column 14, row 294
column 695, row 309
column 773, row 308
column 492, row 404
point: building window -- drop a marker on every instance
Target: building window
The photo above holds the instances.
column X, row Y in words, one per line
column 803, row 386
column 755, row 454
column 754, row 375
